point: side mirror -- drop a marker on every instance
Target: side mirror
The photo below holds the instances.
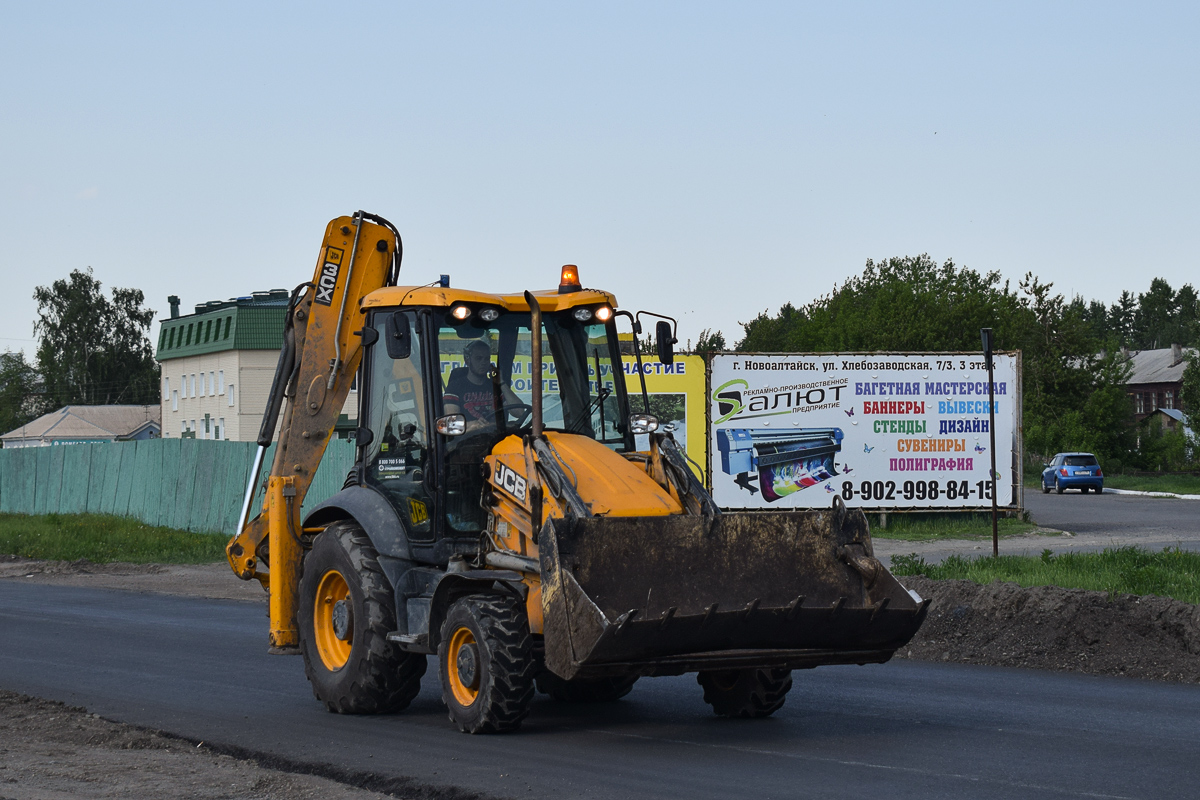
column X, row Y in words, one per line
column 664, row 340
column 451, row 425
column 643, row 423
column 398, row 336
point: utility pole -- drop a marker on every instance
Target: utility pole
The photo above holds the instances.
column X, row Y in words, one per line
column 986, row 335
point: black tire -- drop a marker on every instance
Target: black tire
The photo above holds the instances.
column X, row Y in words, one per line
column 1083, row 490
column 1045, row 488
column 374, row 676
column 597, row 690
column 485, row 640
column 1058, row 489
column 747, row 693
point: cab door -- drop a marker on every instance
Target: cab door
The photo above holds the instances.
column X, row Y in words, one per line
column 398, row 461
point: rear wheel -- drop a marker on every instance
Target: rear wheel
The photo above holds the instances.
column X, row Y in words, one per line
column 745, row 692
column 1058, row 486
column 345, row 613
column 486, row 664
column 597, row 690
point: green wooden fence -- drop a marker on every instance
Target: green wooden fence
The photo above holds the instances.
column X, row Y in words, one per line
column 190, row 484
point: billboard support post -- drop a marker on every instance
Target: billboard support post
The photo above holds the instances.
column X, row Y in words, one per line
column 986, row 335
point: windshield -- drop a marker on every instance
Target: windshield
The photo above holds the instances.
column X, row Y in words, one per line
column 581, row 392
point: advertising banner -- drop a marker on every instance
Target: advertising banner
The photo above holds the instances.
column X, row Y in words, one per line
column 676, row 393
column 882, row 431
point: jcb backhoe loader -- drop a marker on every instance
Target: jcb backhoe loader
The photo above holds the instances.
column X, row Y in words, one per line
column 500, row 517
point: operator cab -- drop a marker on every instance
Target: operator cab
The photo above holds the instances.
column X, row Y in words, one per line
column 434, row 350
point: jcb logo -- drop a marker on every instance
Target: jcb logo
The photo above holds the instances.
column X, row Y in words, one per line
column 417, row 511
column 510, row 482
column 327, row 281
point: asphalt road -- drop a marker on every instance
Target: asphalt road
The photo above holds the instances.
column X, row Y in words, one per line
column 1093, row 522
column 198, row 668
column 1120, row 515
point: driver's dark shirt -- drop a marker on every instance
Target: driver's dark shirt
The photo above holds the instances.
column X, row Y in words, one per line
column 475, row 400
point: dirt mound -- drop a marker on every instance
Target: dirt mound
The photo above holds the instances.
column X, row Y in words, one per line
column 83, row 566
column 1047, row 627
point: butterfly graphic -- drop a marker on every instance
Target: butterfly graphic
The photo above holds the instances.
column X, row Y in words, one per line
column 850, row 413
column 979, row 449
column 867, row 449
column 847, row 469
column 829, row 488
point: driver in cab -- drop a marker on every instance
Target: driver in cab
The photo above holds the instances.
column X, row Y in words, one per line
column 469, row 391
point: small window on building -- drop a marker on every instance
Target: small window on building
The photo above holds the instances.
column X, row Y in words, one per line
column 230, row 392
column 162, row 338
column 183, row 427
column 220, row 381
column 1170, row 399
column 208, row 331
column 228, row 323
column 221, row 432
column 166, row 387
column 189, row 333
column 212, row 384
column 193, row 384
column 175, row 400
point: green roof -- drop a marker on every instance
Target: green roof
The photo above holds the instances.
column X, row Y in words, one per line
column 243, row 323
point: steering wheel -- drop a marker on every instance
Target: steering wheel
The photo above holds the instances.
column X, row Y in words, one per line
column 525, row 410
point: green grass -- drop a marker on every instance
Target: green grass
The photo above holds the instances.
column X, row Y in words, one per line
column 1177, row 484
column 931, row 527
column 1123, row 570
column 101, row 538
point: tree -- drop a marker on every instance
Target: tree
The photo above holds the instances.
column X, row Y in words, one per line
column 93, row 350
column 709, row 342
column 907, row 303
column 20, row 400
column 1189, row 395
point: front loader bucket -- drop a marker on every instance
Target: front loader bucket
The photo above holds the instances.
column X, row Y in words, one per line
column 667, row 595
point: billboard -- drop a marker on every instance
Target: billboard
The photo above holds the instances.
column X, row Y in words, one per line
column 676, row 393
column 881, row 430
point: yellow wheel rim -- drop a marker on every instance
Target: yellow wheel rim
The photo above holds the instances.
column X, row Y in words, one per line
column 331, row 590
column 461, row 656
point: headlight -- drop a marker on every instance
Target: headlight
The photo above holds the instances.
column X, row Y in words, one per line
column 582, row 314
column 604, row 313
column 460, row 312
column 489, row 314
column 643, row 423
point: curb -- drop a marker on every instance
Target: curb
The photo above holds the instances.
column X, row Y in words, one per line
column 1153, row 494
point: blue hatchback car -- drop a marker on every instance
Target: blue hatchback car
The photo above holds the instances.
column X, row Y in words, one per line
column 1073, row 471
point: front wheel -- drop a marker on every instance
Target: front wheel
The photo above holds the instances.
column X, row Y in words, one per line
column 486, row 664
column 345, row 613
column 1045, row 488
column 747, row 693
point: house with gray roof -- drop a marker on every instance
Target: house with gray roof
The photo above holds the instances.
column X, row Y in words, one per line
column 87, row 425
column 1156, row 379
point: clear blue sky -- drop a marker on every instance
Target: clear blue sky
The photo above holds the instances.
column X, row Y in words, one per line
column 710, row 161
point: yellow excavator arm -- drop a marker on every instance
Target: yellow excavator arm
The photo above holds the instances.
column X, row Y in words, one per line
column 321, row 354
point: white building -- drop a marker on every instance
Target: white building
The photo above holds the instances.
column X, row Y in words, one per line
column 218, row 364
